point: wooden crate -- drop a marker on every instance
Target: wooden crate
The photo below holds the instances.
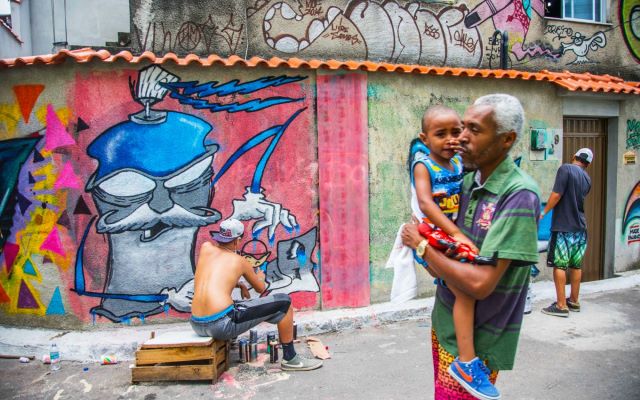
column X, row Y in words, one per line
column 180, row 356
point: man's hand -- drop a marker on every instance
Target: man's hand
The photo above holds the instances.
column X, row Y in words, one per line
column 244, row 292
column 410, row 236
column 461, row 238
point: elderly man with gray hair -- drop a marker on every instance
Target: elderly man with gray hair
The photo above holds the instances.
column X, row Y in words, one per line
column 499, row 210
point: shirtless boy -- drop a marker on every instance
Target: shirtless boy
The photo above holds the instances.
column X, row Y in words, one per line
column 215, row 314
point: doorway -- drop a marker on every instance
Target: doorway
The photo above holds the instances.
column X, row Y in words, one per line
column 591, row 133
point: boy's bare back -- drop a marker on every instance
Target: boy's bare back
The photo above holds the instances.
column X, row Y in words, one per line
column 217, row 273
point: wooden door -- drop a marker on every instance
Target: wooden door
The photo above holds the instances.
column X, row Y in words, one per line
column 591, row 133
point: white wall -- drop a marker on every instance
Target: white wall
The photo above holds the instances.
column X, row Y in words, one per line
column 88, row 22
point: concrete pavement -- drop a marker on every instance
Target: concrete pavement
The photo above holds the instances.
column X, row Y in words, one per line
column 590, row 355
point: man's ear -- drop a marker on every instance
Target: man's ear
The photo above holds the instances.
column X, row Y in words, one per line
column 509, row 139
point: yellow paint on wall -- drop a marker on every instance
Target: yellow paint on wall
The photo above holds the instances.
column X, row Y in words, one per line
column 9, row 118
column 63, row 113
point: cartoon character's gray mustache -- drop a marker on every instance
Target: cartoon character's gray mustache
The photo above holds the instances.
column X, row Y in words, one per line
column 145, row 218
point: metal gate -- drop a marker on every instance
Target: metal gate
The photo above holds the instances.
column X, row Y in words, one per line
column 591, row 133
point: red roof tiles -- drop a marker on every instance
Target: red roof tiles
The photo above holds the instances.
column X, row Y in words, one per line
column 568, row 80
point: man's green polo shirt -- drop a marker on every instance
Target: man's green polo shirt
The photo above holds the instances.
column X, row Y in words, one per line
column 501, row 218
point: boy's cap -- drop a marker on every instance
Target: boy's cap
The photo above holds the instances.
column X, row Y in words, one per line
column 230, row 229
column 585, row 155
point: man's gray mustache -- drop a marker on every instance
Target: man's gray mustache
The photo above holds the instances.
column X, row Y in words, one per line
column 145, row 218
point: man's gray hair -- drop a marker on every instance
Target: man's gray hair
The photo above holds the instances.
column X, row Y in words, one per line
column 507, row 112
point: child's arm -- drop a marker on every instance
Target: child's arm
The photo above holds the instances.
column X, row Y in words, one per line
column 422, row 181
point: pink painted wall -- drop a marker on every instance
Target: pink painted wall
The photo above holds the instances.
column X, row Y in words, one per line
column 344, row 194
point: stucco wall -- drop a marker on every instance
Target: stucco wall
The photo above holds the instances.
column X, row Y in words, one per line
column 457, row 33
column 396, row 105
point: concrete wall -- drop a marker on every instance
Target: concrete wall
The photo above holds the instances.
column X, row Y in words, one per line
column 107, row 207
column 396, row 105
column 457, row 33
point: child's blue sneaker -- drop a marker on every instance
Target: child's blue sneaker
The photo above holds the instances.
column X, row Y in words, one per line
column 474, row 377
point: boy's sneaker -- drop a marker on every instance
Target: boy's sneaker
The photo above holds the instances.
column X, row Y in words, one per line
column 553, row 309
column 299, row 363
column 473, row 376
column 573, row 306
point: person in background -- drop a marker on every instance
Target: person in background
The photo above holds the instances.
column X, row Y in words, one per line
column 568, row 241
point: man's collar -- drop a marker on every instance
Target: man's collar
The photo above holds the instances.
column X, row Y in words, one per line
column 495, row 182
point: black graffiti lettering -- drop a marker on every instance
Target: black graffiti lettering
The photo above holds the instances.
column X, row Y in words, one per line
column 191, row 36
column 463, row 40
column 341, row 32
column 559, row 32
column 431, row 31
column 310, row 7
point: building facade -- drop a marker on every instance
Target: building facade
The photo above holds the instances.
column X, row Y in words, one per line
column 116, row 167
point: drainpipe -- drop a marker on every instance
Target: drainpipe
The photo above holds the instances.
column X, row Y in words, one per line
column 504, row 47
column 56, row 44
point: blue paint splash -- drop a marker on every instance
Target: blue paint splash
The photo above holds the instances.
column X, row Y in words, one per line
column 301, row 256
column 276, row 132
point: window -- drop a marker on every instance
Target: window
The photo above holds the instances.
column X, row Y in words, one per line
column 586, row 10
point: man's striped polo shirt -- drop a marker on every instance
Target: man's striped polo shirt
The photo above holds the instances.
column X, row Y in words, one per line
column 501, row 218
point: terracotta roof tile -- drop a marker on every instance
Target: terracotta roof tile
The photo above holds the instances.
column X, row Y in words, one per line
column 568, row 80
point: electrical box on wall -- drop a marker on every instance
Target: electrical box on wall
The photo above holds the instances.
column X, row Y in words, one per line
column 538, row 139
column 545, row 144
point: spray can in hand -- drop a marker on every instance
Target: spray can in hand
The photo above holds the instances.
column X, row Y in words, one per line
column 54, row 355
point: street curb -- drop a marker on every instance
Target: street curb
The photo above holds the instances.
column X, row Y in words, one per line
column 122, row 341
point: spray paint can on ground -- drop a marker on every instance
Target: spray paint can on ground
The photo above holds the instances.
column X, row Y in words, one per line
column 273, row 354
column 243, row 350
column 253, row 336
column 295, row 331
column 253, row 351
column 271, row 337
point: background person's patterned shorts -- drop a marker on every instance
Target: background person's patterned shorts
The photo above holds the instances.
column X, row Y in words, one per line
column 566, row 249
column 447, row 388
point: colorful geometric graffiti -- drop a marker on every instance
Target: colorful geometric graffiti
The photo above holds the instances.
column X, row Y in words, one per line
column 152, row 171
column 629, row 14
column 631, row 216
column 36, row 184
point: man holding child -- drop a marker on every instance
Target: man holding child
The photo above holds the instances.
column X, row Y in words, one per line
column 499, row 210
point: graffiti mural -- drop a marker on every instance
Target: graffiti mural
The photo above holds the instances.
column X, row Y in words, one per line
column 36, row 184
column 385, row 31
column 631, row 216
column 633, row 134
column 629, row 14
column 117, row 203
